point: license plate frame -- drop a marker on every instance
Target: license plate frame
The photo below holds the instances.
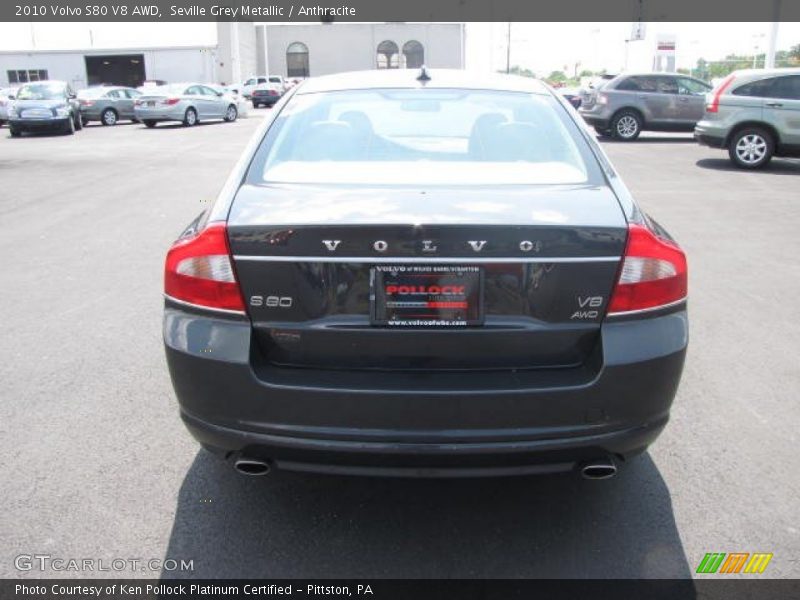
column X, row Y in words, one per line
column 427, row 296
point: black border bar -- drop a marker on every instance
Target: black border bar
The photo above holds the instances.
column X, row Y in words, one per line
column 394, row 10
column 732, row 588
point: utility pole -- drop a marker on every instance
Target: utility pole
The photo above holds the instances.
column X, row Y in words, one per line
column 772, row 38
column 236, row 58
column 508, row 49
column 756, row 48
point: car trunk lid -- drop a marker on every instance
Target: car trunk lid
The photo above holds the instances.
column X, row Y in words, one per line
column 307, row 260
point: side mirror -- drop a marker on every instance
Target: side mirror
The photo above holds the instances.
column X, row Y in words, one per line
column 72, row 95
column 219, row 94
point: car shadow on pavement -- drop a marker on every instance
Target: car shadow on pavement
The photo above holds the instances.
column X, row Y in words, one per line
column 777, row 166
column 287, row 525
column 650, row 140
column 179, row 125
column 121, row 123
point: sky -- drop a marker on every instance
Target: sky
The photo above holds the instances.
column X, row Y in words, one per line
column 541, row 47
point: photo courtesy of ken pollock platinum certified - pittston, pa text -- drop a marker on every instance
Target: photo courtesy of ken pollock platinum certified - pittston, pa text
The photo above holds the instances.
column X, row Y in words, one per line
column 166, row 590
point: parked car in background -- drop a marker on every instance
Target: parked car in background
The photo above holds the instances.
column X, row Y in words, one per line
column 107, row 104
column 571, row 95
column 242, row 105
column 7, row 95
column 631, row 103
column 276, row 81
column 755, row 114
column 441, row 321
column 188, row 103
column 252, row 83
column 44, row 106
column 265, row 95
column 281, row 82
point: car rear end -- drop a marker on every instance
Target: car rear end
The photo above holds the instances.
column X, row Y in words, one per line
column 91, row 101
column 162, row 103
column 266, row 95
column 596, row 105
column 725, row 110
column 393, row 316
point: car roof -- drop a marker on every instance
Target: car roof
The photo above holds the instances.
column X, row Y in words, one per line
column 764, row 73
column 653, row 74
column 408, row 78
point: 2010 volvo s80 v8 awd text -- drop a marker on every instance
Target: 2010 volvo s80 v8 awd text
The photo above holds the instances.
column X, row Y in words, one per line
column 429, row 274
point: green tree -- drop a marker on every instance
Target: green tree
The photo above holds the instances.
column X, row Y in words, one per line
column 517, row 70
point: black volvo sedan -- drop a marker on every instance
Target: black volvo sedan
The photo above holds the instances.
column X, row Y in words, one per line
column 425, row 273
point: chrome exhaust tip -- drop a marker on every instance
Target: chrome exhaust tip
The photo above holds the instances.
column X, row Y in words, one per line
column 252, row 467
column 599, row 469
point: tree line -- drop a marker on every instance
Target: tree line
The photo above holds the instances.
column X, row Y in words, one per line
column 704, row 69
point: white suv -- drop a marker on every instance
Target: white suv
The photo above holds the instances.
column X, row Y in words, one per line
column 274, row 81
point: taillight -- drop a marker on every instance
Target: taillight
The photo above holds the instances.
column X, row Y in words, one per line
column 602, row 98
column 653, row 274
column 199, row 271
column 171, row 101
column 87, row 102
column 273, row 93
column 713, row 106
column 138, row 102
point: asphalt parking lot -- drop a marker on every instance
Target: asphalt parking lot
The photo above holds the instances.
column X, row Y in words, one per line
column 96, row 463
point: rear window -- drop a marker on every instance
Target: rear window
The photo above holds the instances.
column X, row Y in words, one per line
column 422, row 136
column 760, row 89
column 92, row 92
column 787, row 87
column 176, row 89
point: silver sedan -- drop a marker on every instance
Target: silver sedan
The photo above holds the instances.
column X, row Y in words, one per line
column 188, row 103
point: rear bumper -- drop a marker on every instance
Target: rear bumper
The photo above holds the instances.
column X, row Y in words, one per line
column 424, row 424
column 454, row 459
column 706, row 133
column 596, row 121
column 709, row 140
column 91, row 114
column 597, row 116
column 266, row 100
column 158, row 114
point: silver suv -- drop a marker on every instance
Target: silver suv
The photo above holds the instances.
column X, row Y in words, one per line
column 631, row 103
column 755, row 114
